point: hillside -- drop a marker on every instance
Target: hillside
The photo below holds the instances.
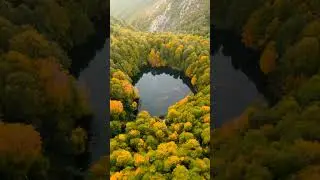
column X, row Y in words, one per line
column 152, row 147
column 183, row 16
column 128, row 10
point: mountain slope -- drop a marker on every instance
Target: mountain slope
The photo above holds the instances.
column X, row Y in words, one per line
column 126, row 10
column 184, row 16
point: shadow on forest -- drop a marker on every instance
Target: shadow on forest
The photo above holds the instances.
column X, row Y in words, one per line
column 82, row 55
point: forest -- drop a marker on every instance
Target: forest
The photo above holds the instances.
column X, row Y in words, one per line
column 279, row 140
column 143, row 146
column 43, row 111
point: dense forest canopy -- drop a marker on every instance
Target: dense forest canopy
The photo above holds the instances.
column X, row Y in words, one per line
column 41, row 106
column 152, row 147
column 148, row 147
column 281, row 141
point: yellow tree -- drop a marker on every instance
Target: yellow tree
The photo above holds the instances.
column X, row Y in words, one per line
column 154, row 58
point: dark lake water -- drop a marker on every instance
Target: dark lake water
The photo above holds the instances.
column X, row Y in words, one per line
column 237, row 77
column 95, row 78
column 89, row 66
column 161, row 88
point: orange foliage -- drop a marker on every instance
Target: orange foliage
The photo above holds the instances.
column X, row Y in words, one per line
column 247, row 37
column 116, row 107
column 127, row 87
column 183, row 101
column 203, row 59
column 173, row 136
column 205, row 42
column 154, row 59
column 99, row 169
column 309, row 173
column 138, row 159
column 19, row 140
column 268, row 58
column 55, row 81
column 116, row 176
column 206, row 118
column 187, row 125
column 177, row 127
column 193, row 80
column 234, row 126
column 307, row 149
column 205, row 108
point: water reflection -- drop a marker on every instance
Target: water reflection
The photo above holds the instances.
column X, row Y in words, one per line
column 95, row 78
column 160, row 88
column 237, row 77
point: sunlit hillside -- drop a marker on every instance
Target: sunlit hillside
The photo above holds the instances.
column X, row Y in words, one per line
column 128, row 10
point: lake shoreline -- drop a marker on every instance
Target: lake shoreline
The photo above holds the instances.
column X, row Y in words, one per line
column 81, row 56
column 168, row 85
column 238, row 79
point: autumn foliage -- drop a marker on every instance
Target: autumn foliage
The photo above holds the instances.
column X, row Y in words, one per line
column 268, row 58
column 116, row 107
column 154, row 59
column 20, row 149
column 147, row 147
column 278, row 140
column 19, row 140
column 37, row 89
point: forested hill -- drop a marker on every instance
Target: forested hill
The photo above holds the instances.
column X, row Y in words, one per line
column 145, row 146
column 184, row 16
column 280, row 141
column 43, row 112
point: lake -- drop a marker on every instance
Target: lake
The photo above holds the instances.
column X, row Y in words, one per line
column 95, row 78
column 237, row 77
column 160, row 88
